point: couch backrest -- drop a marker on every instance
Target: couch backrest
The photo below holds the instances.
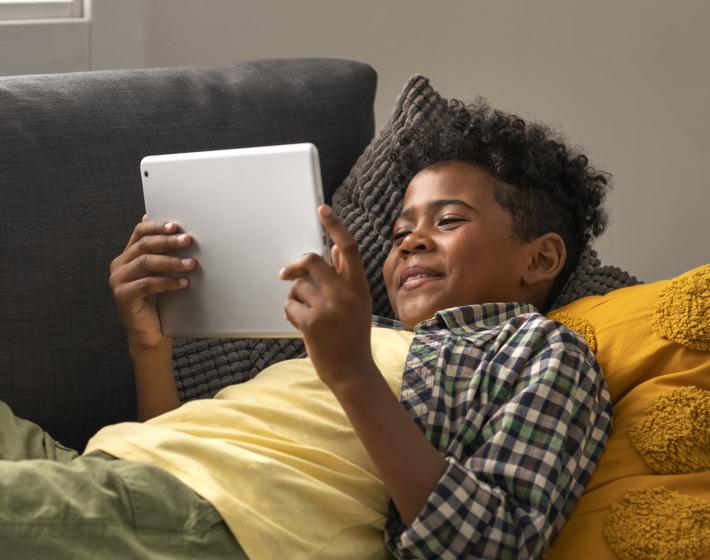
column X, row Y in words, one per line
column 70, row 194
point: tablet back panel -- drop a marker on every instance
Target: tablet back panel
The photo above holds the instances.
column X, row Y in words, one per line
column 250, row 211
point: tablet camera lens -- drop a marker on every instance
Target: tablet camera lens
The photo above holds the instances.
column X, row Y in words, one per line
column 145, row 173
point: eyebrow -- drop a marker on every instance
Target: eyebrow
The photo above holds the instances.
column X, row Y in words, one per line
column 435, row 205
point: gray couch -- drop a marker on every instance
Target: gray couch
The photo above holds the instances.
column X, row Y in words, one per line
column 70, row 194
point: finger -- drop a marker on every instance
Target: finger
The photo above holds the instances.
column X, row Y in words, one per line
column 146, row 227
column 150, row 244
column 310, row 264
column 304, row 290
column 151, row 265
column 149, row 286
column 156, row 244
column 296, row 313
column 349, row 255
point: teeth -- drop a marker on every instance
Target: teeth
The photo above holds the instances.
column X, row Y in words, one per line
column 417, row 277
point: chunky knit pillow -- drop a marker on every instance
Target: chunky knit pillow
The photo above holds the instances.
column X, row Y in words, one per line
column 203, row 367
column 367, row 202
column 590, row 278
column 369, row 199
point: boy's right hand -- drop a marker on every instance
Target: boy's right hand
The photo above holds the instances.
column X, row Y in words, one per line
column 141, row 272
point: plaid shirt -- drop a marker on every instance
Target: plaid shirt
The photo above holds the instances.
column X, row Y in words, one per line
column 517, row 405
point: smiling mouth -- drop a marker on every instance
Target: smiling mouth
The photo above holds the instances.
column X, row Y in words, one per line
column 416, row 281
column 414, row 278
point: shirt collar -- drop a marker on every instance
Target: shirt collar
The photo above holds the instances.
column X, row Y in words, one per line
column 472, row 317
column 379, row 321
column 467, row 317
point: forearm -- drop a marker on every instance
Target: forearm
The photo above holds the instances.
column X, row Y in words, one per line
column 408, row 463
column 156, row 391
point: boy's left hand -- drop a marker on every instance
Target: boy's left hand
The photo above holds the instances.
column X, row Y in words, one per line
column 331, row 306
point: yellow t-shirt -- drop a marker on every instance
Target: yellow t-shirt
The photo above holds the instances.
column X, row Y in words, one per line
column 277, row 457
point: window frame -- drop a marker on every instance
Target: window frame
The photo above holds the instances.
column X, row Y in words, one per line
column 45, row 45
column 31, row 10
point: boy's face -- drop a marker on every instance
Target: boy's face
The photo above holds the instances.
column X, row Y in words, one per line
column 453, row 245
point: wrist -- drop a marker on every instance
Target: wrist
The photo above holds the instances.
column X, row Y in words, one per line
column 355, row 380
column 138, row 348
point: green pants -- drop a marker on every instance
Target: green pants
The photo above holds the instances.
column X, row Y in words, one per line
column 57, row 504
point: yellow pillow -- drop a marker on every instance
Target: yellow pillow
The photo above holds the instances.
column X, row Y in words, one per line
column 649, row 497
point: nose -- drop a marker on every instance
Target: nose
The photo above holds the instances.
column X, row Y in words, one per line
column 415, row 242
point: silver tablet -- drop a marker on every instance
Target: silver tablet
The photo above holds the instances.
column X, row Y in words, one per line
column 250, row 211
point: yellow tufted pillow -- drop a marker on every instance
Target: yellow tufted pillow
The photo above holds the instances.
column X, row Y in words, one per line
column 652, row 342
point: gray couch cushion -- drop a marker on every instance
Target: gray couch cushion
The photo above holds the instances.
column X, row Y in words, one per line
column 70, row 194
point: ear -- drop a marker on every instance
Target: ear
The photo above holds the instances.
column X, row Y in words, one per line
column 548, row 255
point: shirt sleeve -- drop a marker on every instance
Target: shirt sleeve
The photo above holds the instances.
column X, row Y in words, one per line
column 534, row 454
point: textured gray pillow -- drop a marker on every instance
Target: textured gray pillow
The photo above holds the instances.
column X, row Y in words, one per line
column 590, row 278
column 203, row 367
column 369, row 200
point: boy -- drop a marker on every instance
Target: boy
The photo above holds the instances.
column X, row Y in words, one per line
column 502, row 414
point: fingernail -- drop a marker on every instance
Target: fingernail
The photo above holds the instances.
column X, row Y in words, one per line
column 183, row 282
column 327, row 210
column 181, row 238
column 186, row 262
column 168, row 226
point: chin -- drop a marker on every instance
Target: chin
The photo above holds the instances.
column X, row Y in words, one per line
column 411, row 318
column 413, row 310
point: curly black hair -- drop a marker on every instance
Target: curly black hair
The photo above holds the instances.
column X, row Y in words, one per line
column 545, row 185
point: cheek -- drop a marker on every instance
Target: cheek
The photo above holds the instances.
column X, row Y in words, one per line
column 467, row 262
column 388, row 271
column 388, row 274
column 463, row 255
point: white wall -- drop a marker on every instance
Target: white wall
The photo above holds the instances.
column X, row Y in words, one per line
column 118, row 34
column 625, row 79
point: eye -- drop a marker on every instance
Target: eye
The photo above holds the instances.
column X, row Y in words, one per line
column 448, row 221
column 398, row 236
